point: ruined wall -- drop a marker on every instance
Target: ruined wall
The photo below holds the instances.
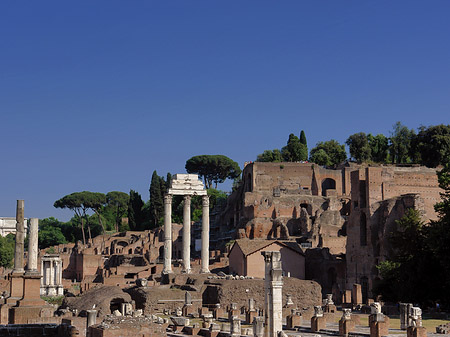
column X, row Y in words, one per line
column 381, row 196
column 304, row 293
column 264, row 177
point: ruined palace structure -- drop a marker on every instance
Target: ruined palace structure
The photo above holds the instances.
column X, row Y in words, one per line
column 186, row 185
column 342, row 217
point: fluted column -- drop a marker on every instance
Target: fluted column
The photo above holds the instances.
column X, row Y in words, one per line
column 33, row 246
column 187, row 234
column 167, row 234
column 20, row 235
column 205, row 235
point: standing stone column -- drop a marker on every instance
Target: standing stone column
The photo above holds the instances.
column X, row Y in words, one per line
column 52, row 273
column 187, row 234
column 33, row 246
column 274, row 298
column 20, row 235
column 205, row 235
column 167, row 234
column 60, row 273
column 42, row 272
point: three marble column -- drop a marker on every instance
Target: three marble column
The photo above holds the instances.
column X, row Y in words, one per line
column 186, row 265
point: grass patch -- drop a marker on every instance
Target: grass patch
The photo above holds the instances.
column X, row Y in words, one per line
column 53, row 300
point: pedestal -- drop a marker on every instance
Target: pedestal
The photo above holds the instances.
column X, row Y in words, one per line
column 412, row 331
column 345, row 327
column 379, row 329
column 250, row 315
column 31, row 291
column 16, row 288
column 318, row 323
column 293, row 321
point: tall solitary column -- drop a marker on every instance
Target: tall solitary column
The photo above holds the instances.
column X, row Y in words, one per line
column 33, row 246
column 273, row 284
column 167, row 234
column 205, row 235
column 20, row 235
column 187, row 234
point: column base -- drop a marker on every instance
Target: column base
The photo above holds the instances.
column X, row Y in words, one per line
column 186, row 271
column 167, row 278
column 205, row 271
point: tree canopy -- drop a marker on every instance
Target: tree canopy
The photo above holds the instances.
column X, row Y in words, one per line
column 213, row 168
column 6, row 250
column 294, row 150
column 329, row 153
column 358, row 144
column 432, row 145
column 50, row 233
column 74, row 202
column 117, row 203
column 270, row 156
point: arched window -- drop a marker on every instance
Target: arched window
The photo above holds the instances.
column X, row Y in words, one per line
column 328, row 184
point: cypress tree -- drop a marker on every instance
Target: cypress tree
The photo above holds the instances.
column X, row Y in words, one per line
column 303, row 138
column 168, row 180
column 156, row 198
column 135, row 213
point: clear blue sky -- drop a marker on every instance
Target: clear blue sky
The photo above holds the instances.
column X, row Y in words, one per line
column 95, row 95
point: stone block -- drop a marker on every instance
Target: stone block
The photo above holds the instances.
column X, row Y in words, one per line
column 188, row 309
column 190, row 330
column 179, row 321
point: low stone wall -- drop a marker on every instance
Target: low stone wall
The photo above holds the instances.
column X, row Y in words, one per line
column 38, row 330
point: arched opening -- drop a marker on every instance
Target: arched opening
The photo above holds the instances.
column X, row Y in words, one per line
column 363, row 229
column 130, row 251
column 328, row 184
column 306, row 206
column 116, row 304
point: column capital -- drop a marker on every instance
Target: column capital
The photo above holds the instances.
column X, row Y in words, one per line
column 187, row 199
column 168, row 198
column 205, row 200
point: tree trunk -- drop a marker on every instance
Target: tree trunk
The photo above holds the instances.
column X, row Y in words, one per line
column 100, row 221
column 82, row 230
column 89, row 230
